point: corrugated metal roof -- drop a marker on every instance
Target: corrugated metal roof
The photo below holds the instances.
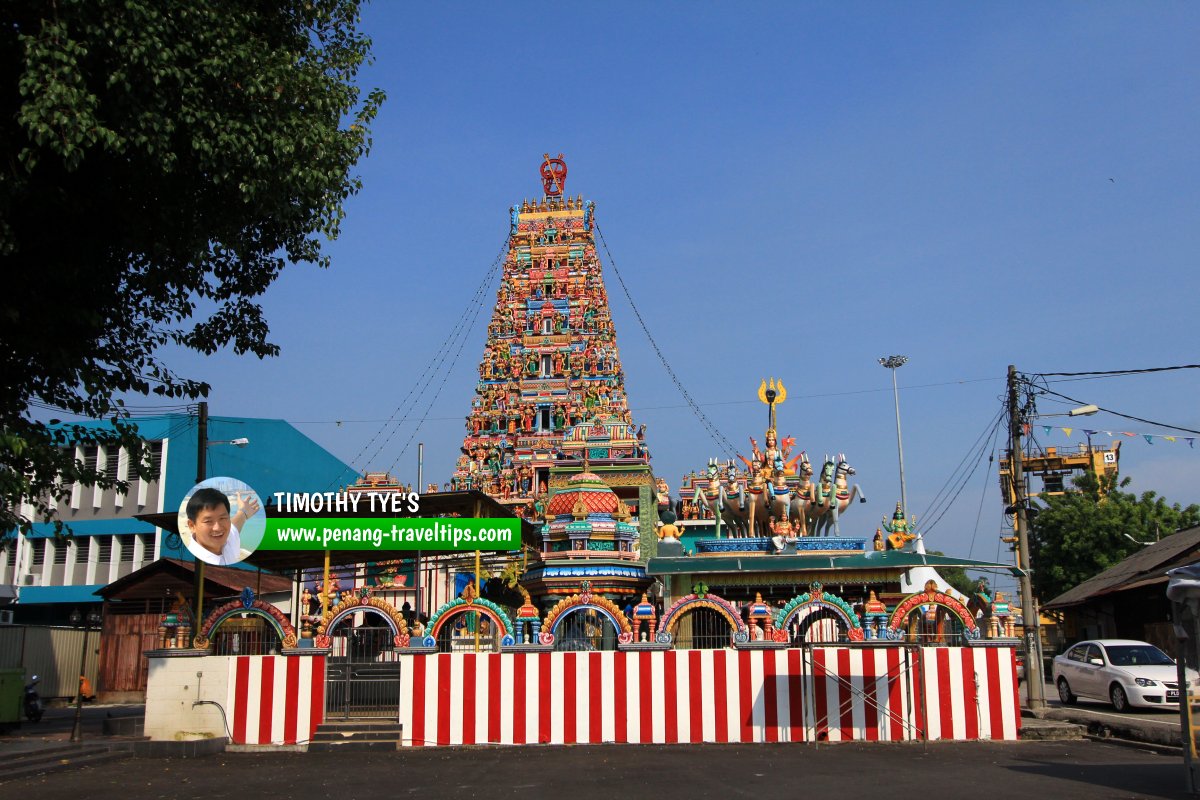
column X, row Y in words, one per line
column 1151, row 561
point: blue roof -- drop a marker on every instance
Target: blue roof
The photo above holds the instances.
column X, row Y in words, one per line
column 61, row 594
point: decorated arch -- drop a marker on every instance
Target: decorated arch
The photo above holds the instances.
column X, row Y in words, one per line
column 813, row 601
column 246, row 605
column 931, row 596
column 700, row 598
column 461, row 605
column 581, row 602
column 353, row 601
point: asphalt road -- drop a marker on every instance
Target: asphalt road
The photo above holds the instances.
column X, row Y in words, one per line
column 1105, row 714
column 1061, row 770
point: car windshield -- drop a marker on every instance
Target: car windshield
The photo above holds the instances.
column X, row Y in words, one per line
column 1137, row 655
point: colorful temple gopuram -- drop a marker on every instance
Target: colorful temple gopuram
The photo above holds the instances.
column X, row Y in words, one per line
column 551, row 398
column 756, row 607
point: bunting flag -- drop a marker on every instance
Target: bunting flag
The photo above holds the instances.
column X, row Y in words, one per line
column 1149, row 437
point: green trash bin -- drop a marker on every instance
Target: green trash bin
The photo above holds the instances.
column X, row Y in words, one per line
column 12, row 695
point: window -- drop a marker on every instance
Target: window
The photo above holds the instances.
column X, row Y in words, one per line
column 147, row 540
column 60, row 552
column 547, row 366
column 38, row 554
column 106, row 546
column 111, row 459
column 156, row 453
column 547, row 326
column 127, row 540
column 1076, row 653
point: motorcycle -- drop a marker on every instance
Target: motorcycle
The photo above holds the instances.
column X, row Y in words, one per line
column 33, row 701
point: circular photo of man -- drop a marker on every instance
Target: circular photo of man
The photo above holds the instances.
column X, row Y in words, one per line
column 221, row 520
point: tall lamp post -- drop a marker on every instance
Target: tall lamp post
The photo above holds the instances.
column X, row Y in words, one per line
column 78, row 620
column 894, row 363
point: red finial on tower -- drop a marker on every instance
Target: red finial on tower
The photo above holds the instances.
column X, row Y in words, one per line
column 554, row 175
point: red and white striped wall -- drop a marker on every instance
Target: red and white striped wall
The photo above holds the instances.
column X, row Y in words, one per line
column 816, row 694
column 969, row 692
column 275, row 699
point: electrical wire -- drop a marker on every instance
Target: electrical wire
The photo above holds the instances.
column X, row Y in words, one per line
column 420, row 386
column 716, row 435
column 445, row 376
column 943, row 501
column 1045, row 390
column 1114, row 372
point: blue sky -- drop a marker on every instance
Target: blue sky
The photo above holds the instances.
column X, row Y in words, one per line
column 788, row 190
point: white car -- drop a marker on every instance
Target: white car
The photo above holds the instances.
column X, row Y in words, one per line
column 1124, row 672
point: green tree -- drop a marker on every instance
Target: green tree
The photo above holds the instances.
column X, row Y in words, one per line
column 957, row 577
column 1080, row 534
column 163, row 161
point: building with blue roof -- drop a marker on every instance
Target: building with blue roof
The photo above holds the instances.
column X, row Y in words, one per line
column 44, row 579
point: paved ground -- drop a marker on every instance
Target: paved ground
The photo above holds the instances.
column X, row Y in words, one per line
column 1061, row 770
column 55, row 726
column 1160, row 726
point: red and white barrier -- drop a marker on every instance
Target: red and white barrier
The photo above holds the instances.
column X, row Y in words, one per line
column 275, row 699
column 817, row 694
column 969, row 693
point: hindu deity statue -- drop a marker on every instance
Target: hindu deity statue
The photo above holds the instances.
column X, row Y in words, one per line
column 899, row 529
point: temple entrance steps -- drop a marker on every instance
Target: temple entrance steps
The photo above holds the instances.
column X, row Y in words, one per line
column 339, row 737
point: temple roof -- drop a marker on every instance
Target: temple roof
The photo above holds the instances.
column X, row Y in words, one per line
column 885, row 559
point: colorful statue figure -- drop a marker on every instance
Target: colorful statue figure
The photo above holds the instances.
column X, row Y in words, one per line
column 668, row 532
column 833, row 496
column 899, row 532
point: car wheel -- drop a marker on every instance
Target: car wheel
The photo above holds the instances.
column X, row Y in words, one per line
column 1064, row 693
column 1118, row 697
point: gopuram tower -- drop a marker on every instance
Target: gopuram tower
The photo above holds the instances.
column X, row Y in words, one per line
column 550, row 403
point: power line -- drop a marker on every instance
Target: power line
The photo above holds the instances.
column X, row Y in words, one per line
column 985, row 438
column 420, row 386
column 1046, row 390
column 1110, row 372
column 708, row 425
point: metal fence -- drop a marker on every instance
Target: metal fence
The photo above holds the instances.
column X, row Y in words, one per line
column 252, row 636
column 469, row 632
column 52, row 654
column 362, row 677
column 585, row 630
column 702, row 629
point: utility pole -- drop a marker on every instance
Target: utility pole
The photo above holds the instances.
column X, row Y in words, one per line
column 202, row 441
column 1029, row 615
column 201, row 474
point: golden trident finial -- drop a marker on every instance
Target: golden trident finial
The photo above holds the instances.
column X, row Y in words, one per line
column 772, row 394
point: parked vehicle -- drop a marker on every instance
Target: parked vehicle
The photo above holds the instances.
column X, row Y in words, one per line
column 33, row 701
column 1124, row 672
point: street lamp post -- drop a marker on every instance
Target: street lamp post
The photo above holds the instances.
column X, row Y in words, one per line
column 92, row 620
column 894, row 363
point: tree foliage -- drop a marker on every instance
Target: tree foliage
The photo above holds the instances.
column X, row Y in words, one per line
column 163, row 161
column 957, row 577
column 1080, row 534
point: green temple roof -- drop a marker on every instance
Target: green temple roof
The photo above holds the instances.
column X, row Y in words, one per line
column 754, row 562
